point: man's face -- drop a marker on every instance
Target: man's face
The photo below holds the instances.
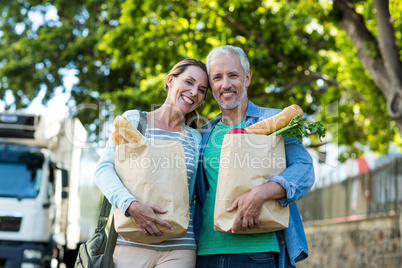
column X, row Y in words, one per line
column 229, row 84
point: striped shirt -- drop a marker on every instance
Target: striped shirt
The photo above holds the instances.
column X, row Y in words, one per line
column 185, row 137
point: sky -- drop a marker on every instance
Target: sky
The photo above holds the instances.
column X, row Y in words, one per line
column 56, row 107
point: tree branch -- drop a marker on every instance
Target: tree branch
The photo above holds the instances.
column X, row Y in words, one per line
column 387, row 41
column 274, row 52
column 305, row 80
column 390, row 53
column 257, row 37
column 353, row 24
column 313, row 75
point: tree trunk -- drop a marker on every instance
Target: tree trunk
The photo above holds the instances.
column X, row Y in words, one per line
column 385, row 68
column 390, row 54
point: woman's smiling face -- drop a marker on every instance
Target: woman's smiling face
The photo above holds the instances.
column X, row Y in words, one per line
column 187, row 90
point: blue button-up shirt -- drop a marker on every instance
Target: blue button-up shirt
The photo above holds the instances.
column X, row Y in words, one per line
column 297, row 180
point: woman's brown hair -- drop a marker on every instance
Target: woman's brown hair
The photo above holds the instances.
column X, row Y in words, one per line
column 190, row 119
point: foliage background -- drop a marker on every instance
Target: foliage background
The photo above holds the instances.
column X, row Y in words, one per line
column 121, row 51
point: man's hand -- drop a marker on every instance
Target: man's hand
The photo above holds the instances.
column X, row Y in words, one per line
column 249, row 205
column 143, row 215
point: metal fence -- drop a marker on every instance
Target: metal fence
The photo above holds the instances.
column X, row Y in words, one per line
column 375, row 192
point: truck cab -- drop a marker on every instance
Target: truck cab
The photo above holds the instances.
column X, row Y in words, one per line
column 38, row 195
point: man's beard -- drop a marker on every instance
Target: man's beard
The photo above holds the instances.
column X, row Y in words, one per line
column 237, row 101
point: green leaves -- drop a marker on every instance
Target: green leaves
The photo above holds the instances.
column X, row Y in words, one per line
column 121, row 50
column 299, row 129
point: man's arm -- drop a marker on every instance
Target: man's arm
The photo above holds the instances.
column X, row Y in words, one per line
column 298, row 177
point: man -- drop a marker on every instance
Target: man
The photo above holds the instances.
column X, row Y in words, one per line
column 229, row 74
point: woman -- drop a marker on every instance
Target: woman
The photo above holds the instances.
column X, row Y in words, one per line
column 186, row 86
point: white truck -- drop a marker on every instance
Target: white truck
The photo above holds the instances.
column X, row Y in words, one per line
column 48, row 201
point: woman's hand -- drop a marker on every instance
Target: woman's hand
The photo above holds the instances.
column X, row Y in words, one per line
column 143, row 215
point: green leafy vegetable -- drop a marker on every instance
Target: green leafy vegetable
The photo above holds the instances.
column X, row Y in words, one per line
column 299, row 129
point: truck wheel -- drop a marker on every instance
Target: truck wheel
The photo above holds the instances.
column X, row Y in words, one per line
column 70, row 256
column 47, row 264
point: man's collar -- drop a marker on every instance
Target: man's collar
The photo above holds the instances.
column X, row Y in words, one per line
column 253, row 110
column 212, row 122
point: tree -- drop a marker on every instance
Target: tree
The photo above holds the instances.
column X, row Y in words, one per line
column 299, row 53
column 377, row 47
column 380, row 56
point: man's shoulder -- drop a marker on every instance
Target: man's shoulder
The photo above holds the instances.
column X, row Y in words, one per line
column 263, row 112
column 271, row 110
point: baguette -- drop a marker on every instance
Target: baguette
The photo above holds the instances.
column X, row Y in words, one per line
column 127, row 131
column 118, row 138
column 276, row 122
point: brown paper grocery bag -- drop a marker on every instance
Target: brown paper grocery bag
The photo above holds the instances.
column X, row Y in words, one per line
column 156, row 173
column 247, row 161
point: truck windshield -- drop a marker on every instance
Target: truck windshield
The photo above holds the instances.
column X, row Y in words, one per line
column 20, row 170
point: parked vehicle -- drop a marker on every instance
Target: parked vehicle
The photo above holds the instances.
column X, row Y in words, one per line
column 48, row 201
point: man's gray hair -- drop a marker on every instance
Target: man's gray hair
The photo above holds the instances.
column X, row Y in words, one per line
column 227, row 50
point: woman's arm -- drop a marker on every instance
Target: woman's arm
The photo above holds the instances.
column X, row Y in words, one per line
column 107, row 180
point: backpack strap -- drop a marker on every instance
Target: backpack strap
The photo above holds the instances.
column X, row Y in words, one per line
column 142, row 123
